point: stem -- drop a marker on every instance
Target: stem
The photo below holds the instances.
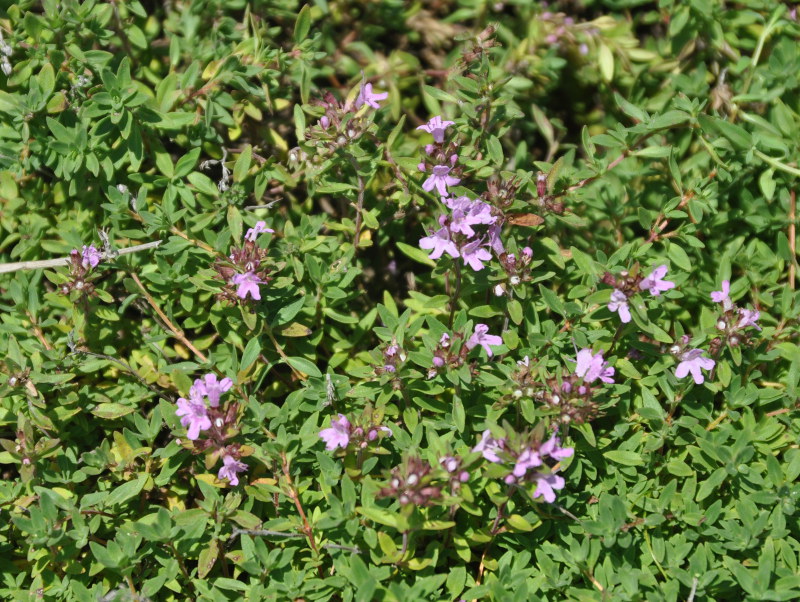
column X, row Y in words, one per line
column 456, row 293
column 309, row 533
column 792, row 236
column 178, row 334
column 53, row 263
column 493, row 532
column 283, row 355
column 777, row 164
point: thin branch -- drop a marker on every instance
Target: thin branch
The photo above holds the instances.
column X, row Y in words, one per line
column 177, row 333
column 53, row 263
column 792, row 236
column 296, row 499
column 270, row 533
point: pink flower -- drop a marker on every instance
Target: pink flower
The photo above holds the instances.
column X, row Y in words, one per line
column 619, row 303
column 367, row 96
column 655, row 282
column 194, row 415
column 473, row 253
column 439, row 242
column 436, row 127
column 692, row 361
column 552, row 448
column 247, row 284
column 211, row 388
column 591, row 367
column 485, row 340
column 253, row 232
column 526, row 460
column 338, row 435
column 440, row 179
column 748, row 317
column 722, row 296
column 489, row 446
column 90, row 257
column 494, row 239
column 547, row 485
column 468, row 213
column 230, row 469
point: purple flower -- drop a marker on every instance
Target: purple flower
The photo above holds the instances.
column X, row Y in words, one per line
column 591, row 367
column 748, row 317
column 338, row 435
column 440, row 179
column 367, row 96
column 619, row 303
column 693, row 361
column 450, row 463
column 194, row 415
column 494, row 239
column 90, row 257
column 546, row 486
column 440, row 242
column 489, row 446
column 722, row 296
column 436, row 127
column 485, row 340
column 468, row 213
column 552, row 447
column 253, row 232
column 230, row 469
column 473, row 253
column 655, row 282
column 444, row 340
column 247, row 283
column 373, row 433
column 212, row 388
column 526, row 460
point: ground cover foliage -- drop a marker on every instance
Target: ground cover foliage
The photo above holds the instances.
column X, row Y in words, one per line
column 399, row 301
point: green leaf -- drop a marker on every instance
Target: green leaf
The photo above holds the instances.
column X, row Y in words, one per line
column 415, row 253
column 305, row 366
column 112, row 410
column 606, row 59
column 242, row 165
column 679, row 257
column 303, row 24
column 207, row 559
column 126, row 491
column 626, row 458
column 251, row 353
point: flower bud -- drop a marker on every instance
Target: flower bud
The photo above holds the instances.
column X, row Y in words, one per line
column 438, row 362
column 464, row 476
column 514, row 280
column 517, row 394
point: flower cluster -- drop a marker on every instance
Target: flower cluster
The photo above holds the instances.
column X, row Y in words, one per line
column 631, row 283
column 203, row 412
column 341, row 121
column 571, row 396
column 412, row 484
column 527, row 460
column 392, row 356
column 446, row 354
column 733, row 321
column 518, row 269
column 344, row 434
column 81, row 264
column 245, row 271
column 458, row 237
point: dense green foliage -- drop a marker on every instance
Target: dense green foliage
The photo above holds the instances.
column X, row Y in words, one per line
column 606, row 137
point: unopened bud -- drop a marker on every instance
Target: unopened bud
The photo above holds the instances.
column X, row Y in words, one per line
column 514, row 280
column 517, row 393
